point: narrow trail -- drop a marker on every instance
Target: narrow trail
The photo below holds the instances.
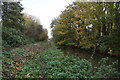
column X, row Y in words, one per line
column 37, row 47
column 26, row 47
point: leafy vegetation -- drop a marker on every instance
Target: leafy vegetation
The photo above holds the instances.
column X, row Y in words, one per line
column 89, row 26
column 13, row 38
column 19, row 29
column 19, row 63
column 84, row 25
column 60, row 66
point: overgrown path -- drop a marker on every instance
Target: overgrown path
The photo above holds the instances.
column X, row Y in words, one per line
column 40, row 48
column 29, row 62
column 37, row 47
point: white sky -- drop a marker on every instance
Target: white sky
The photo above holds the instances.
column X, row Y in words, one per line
column 45, row 10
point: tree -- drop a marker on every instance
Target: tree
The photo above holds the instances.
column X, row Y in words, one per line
column 33, row 25
column 63, row 30
column 12, row 16
column 86, row 25
column 73, row 23
column 13, row 24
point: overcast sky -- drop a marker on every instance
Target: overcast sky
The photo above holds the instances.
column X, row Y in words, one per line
column 45, row 10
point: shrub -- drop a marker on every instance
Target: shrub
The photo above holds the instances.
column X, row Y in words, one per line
column 13, row 38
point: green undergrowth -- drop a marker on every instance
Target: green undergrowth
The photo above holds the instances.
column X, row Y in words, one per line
column 20, row 63
column 60, row 66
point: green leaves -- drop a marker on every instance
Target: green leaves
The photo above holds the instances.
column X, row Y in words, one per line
column 12, row 16
column 13, row 37
column 22, row 64
column 19, row 65
column 60, row 66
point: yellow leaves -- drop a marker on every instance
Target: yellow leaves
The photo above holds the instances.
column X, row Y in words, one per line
column 59, row 27
column 62, row 33
column 60, row 30
column 80, row 33
column 76, row 22
column 64, row 41
column 73, row 22
column 110, row 51
column 27, row 18
column 61, row 42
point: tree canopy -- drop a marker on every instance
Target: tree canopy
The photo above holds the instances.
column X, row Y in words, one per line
column 87, row 25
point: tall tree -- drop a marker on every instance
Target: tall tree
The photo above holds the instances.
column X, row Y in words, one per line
column 12, row 16
column 13, row 24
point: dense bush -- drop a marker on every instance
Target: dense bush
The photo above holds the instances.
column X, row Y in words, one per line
column 60, row 66
column 13, row 38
